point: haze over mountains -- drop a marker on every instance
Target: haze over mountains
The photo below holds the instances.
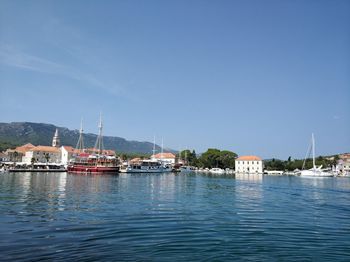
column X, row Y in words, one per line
column 18, row 133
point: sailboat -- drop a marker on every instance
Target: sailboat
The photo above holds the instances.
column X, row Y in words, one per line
column 314, row 171
column 96, row 162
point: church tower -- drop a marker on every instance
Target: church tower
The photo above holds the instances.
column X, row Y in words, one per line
column 56, row 139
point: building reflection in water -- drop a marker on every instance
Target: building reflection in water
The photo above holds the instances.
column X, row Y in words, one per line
column 249, row 195
column 249, row 177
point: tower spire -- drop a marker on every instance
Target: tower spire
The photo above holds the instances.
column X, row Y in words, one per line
column 56, row 139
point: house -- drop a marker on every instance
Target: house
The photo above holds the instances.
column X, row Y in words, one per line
column 67, row 153
column 42, row 154
column 249, row 165
column 16, row 155
column 344, row 163
column 4, row 157
column 168, row 158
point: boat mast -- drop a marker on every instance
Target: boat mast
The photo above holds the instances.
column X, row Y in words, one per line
column 154, row 146
column 99, row 140
column 162, row 151
column 80, row 144
column 313, row 150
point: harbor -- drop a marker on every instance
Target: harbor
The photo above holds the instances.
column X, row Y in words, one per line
column 168, row 216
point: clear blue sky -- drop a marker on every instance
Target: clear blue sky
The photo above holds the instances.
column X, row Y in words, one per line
column 254, row 77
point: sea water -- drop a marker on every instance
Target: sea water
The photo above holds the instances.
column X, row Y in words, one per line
column 173, row 217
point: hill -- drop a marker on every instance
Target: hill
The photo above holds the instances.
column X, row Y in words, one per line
column 19, row 133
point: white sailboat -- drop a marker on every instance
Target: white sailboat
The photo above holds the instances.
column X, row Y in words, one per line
column 314, row 171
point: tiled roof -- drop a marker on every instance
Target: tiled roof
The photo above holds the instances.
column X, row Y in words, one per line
column 249, row 158
column 23, row 149
column 69, row 149
column 163, row 155
column 49, row 149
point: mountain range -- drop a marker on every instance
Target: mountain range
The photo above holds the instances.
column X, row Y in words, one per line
column 19, row 133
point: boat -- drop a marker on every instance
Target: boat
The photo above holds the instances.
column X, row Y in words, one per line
column 314, row 171
column 217, row 170
column 186, row 169
column 274, row 172
column 96, row 162
column 147, row 166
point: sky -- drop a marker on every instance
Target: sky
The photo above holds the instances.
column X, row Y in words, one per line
column 252, row 77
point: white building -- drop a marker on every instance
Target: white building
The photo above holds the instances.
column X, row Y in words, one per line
column 249, row 165
column 66, row 154
column 344, row 163
column 167, row 158
column 42, row 154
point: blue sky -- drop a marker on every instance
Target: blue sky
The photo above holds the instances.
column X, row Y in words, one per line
column 254, row 77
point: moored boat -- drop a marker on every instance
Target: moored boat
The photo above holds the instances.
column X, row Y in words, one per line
column 314, row 171
column 148, row 166
column 93, row 163
column 86, row 163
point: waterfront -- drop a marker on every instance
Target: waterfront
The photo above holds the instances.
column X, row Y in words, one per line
column 173, row 217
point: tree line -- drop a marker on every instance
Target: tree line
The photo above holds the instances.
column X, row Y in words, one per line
column 290, row 165
column 210, row 159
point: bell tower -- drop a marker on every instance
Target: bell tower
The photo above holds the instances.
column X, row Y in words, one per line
column 56, row 139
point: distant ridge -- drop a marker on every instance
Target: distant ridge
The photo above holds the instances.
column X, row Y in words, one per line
column 18, row 133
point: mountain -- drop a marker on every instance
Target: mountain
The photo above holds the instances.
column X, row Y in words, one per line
column 19, row 133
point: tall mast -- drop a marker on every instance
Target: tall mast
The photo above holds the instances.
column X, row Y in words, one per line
column 80, row 144
column 162, row 149
column 99, row 140
column 313, row 149
column 154, row 146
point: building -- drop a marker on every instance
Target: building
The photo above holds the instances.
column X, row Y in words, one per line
column 4, row 157
column 42, row 154
column 16, row 155
column 249, row 165
column 344, row 163
column 67, row 153
column 56, row 139
column 167, row 158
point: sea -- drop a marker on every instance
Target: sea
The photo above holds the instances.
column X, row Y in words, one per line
column 173, row 217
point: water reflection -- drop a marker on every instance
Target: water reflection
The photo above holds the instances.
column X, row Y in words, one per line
column 249, row 177
column 172, row 217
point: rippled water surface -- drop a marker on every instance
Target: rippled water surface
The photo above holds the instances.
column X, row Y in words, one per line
column 173, row 217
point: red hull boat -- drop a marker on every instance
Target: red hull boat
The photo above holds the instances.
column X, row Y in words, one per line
column 92, row 169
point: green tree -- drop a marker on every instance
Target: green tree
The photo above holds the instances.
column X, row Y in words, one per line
column 216, row 158
column 32, row 162
column 190, row 158
column 47, row 157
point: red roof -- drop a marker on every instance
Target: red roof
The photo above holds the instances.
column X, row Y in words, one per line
column 23, row 149
column 45, row 149
column 69, row 149
column 249, row 158
column 164, row 155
